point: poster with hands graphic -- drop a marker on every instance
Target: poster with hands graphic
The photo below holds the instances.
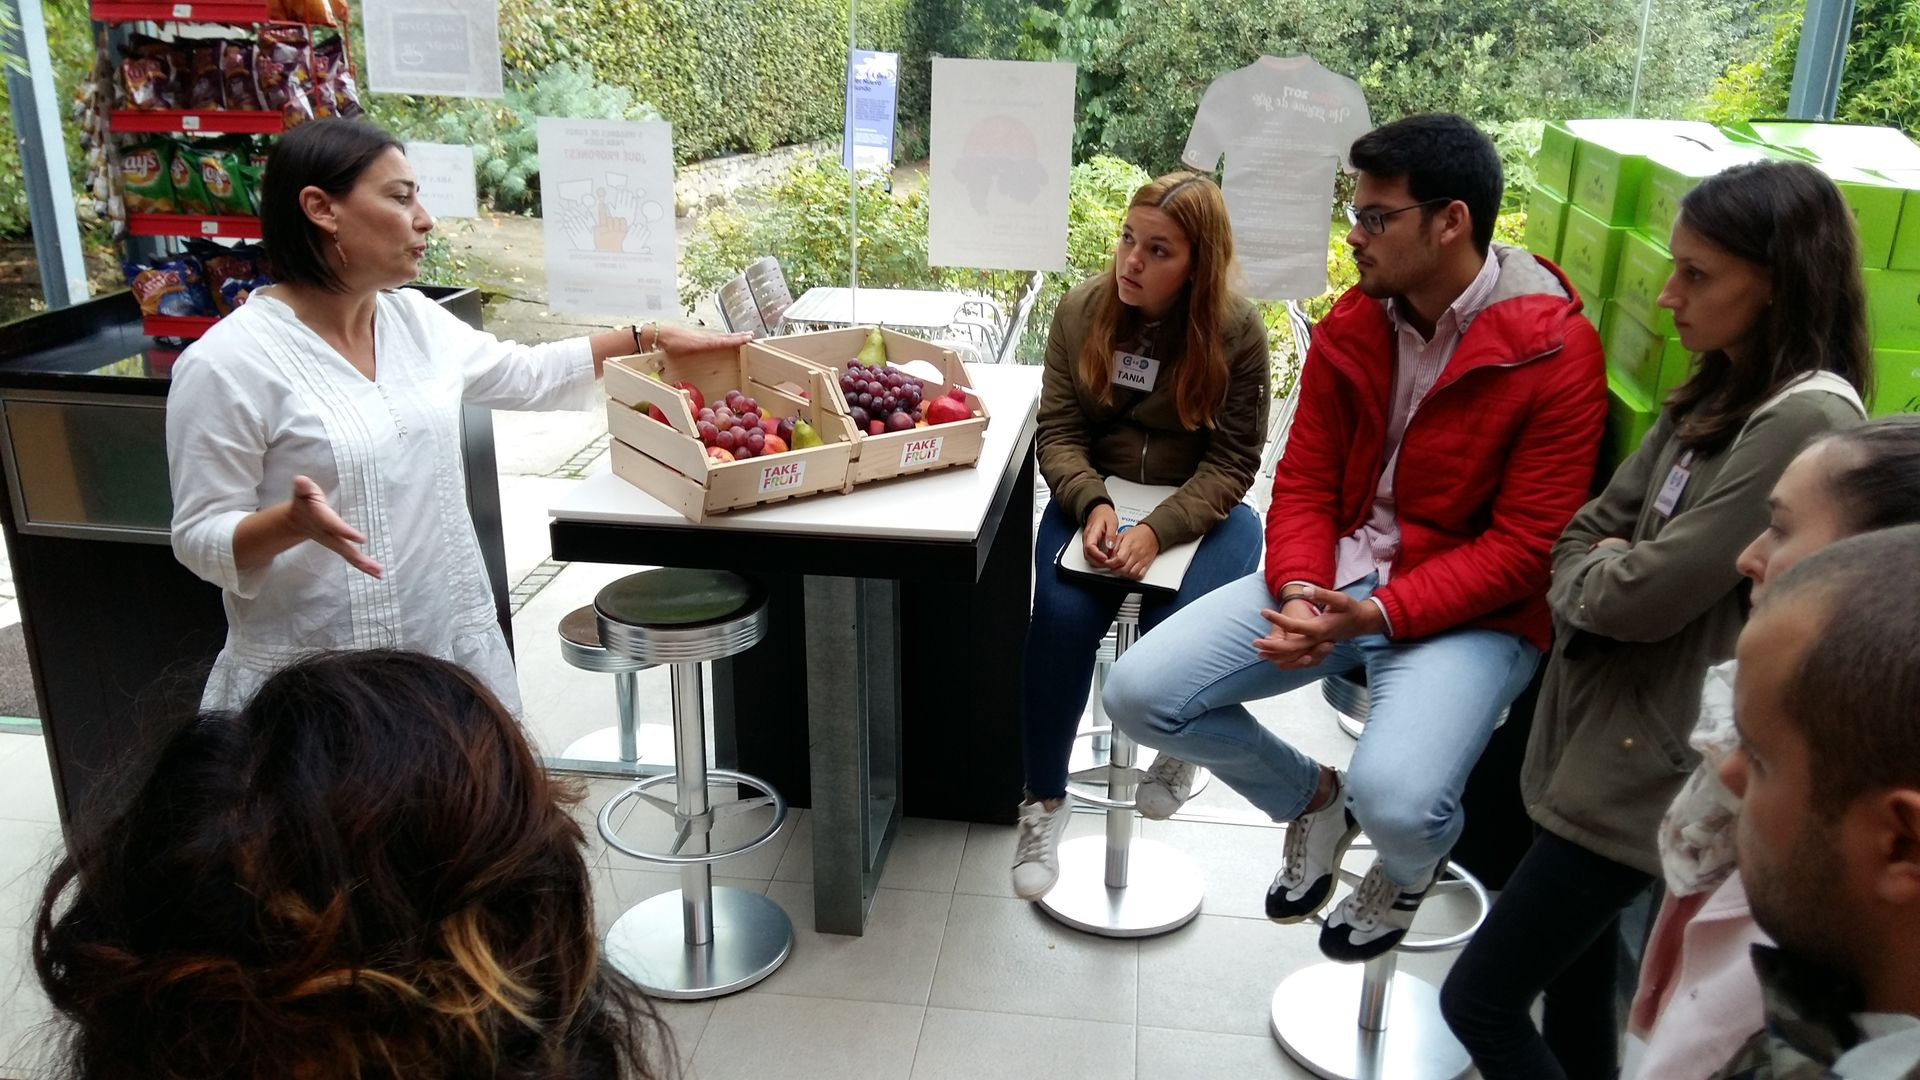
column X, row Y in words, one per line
column 606, row 201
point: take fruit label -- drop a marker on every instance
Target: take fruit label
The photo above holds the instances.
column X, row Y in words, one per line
column 923, row 451
column 786, row 476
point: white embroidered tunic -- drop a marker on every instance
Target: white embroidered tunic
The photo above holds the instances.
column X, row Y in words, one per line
column 262, row 398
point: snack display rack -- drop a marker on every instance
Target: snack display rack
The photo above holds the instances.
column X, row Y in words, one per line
column 223, row 11
column 219, row 224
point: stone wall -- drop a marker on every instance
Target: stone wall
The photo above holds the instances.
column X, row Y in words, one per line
column 703, row 184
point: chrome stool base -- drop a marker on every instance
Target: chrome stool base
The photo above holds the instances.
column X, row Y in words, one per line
column 1313, row 1018
column 1162, row 891
column 653, row 743
column 751, row 938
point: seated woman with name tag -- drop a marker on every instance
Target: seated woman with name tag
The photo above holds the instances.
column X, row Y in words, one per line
column 1156, row 375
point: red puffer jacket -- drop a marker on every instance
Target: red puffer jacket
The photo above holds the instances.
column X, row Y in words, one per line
column 1492, row 467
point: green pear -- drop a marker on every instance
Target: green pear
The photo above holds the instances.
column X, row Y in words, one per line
column 874, row 352
column 804, row 435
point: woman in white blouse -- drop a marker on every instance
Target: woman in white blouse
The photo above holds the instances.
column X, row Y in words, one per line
column 313, row 436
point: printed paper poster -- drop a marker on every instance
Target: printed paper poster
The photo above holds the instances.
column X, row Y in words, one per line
column 1002, row 149
column 446, row 47
column 606, row 200
column 447, row 187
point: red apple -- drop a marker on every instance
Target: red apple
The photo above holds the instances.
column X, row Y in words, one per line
column 876, row 427
column 699, row 401
column 654, row 411
column 719, row 455
column 770, row 425
column 774, row 445
column 946, row 410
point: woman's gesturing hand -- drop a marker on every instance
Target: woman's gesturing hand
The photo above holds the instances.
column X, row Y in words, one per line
column 312, row 518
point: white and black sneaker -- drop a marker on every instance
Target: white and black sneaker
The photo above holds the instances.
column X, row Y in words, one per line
column 1316, row 842
column 1036, row 851
column 1374, row 918
column 1165, row 789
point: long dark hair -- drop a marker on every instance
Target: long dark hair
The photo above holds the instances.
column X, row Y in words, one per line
column 1788, row 219
column 329, row 154
column 362, row 874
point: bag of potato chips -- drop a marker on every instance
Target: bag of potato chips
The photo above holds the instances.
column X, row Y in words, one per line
column 145, row 177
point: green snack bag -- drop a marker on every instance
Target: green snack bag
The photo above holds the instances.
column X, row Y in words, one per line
column 189, row 192
column 246, row 182
column 224, row 194
column 144, row 176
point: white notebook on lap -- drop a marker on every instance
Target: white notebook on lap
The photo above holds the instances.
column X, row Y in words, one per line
column 1131, row 504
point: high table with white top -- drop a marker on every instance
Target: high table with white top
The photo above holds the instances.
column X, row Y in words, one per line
column 887, row 682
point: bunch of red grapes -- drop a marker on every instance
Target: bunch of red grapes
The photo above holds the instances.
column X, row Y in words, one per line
column 881, row 399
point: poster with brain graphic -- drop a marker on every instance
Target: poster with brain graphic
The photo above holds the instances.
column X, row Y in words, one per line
column 1002, row 149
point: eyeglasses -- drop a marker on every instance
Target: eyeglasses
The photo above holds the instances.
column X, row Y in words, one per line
column 1374, row 222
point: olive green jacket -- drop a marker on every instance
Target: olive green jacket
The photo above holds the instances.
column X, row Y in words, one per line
column 1138, row 435
column 1636, row 628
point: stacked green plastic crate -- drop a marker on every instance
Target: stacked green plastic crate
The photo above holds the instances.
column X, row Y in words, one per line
column 1608, row 194
column 1610, row 223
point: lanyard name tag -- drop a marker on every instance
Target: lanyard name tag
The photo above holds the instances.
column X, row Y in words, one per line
column 1676, row 483
column 1135, row 371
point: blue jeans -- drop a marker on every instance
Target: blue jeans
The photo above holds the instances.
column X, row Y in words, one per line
column 1070, row 616
column 1434, row 704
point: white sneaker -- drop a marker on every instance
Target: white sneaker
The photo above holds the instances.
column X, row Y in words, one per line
column 1036, row 852
column 1165, row 789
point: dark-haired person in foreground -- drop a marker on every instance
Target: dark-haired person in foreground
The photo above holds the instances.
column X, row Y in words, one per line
column 1828, row 840
column 362, row 875
column 313, row 436
column 1448, row 426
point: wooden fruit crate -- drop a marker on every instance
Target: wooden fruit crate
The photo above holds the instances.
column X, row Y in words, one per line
column 896, row 453
column 669, row 462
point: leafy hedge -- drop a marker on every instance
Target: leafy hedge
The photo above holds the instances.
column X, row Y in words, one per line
column 732, row 75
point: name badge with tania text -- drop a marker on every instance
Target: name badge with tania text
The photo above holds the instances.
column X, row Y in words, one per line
column 1135, row 371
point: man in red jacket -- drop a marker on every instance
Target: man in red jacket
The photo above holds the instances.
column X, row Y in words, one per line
column 1449, row 421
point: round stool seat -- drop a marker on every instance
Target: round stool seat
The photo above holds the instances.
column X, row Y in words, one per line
column 678, row 616
column 1347, row 693
column 580, row 645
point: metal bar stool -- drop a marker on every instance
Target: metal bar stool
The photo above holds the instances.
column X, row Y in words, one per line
column 1097, row 891
column 1398, row 1033
column 623, row 743
column 697, row 941
column 1347, row 693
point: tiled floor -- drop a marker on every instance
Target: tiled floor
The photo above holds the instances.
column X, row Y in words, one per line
column 954, row 977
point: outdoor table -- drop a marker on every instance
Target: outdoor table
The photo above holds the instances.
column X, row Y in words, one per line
column 913, row 308
column 885, row 685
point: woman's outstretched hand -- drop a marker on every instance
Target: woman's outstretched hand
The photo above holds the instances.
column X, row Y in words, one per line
column 312, row 518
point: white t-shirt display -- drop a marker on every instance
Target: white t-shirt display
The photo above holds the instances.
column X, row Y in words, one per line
column 262, row 398
column 1283, row 123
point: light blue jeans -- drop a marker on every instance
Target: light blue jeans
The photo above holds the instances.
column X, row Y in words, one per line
column 1434, row 704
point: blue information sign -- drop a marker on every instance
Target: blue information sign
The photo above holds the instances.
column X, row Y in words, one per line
column 872, row 82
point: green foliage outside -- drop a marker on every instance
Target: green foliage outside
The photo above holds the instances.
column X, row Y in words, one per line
column 70, row 43
column 802, row 220
column 1880, row 84
column 1144, row 66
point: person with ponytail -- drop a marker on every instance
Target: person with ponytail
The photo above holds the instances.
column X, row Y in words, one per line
column 363, row 874
column 1156, row 372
